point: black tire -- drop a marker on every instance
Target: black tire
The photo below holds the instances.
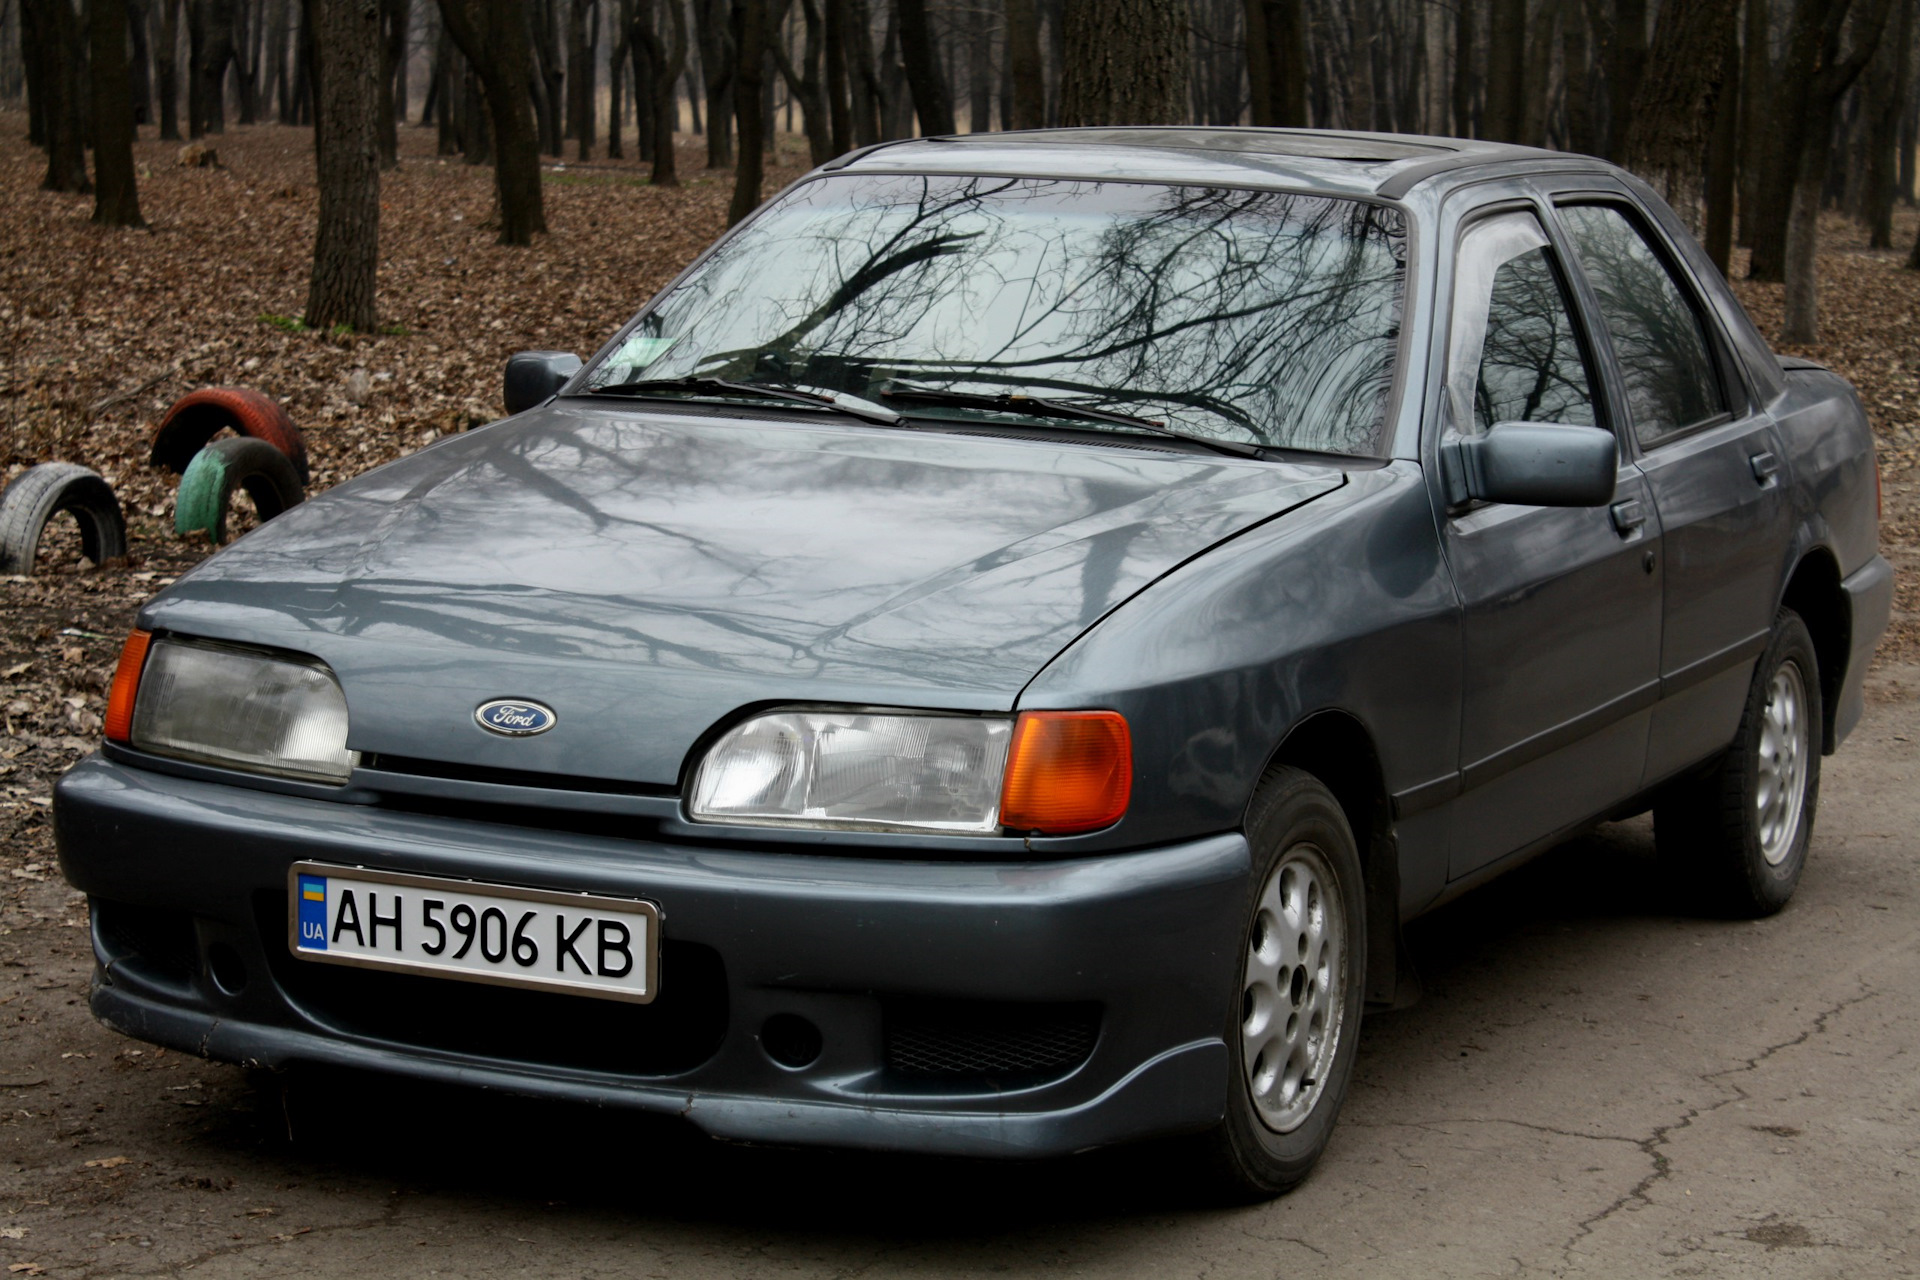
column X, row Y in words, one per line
column 240, row 462
column 1266, row 1145
column 1725, row 831
column 40, row 493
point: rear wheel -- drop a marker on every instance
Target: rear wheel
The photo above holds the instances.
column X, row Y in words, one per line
column 1295, row 1022
column 1739, row 833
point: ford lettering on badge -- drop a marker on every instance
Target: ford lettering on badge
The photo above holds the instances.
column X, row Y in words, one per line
column 514, row 717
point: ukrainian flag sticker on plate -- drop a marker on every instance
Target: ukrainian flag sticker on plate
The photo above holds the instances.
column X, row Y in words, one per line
column 313, row 912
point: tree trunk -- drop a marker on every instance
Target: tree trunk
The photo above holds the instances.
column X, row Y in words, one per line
column 1027, row 81
column 1757, row 88
column 1625, row 58
column 139, row 69
column 807, row 86
column 664, row 65
column 1277, row 62
column 1800, row 322
column 215, row 56
column 750, row 22
column 979, row 70
column 713, row 31
column 1671, row 122
column 931, row 100
column 115, row 201
column 1506, row 70
column 1886, row 104
column 1463, row 77
column 1125, row 63
column 491, row 33
column 581, row 80
column 346, row 250
column 55, row 43
column 391, row 107
column 839, row 106
column 167, row 70
column 1723, row 155
column 1582, row 136
column 1813, row 76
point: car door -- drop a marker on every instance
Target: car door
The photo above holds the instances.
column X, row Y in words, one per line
column 1714, row 464
column 1560, row 605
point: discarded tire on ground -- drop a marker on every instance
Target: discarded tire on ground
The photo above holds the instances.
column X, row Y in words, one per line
column 198, row 416
column 207, row 488
column 40, row 493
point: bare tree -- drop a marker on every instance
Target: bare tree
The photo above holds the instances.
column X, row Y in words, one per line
column 1277, row 62
column 491, row 33
column 1672, row 118
column 346, row 248
column 53, row 41
column 931, row 99
column 115, row 202
column 665, row 62
column 750, row 31
column 1125, row 62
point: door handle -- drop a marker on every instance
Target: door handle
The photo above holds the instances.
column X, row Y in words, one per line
column 1628, row 516
column 1765, row 466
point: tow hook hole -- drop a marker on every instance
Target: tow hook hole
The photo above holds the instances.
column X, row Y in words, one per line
column 226, row 968
column 790, row 1040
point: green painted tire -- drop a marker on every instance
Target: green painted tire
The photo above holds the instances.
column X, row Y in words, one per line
column 207, row 488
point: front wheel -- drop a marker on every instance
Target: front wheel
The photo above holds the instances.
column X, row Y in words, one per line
column 1739, row 833
column 1295, row 1021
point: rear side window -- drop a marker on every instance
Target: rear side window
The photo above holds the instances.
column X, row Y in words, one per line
column 1665, row 360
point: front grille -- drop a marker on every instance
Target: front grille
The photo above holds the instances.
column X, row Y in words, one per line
column 678, row 1031
column 990, row 1040
column 463, row 772
column 152, row 942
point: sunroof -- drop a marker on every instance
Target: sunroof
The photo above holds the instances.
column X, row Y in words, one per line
column 1275, row 142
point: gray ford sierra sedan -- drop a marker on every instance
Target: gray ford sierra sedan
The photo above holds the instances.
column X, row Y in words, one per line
column 988, row 659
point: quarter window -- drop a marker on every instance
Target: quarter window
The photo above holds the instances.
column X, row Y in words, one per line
column 1514, row 354
column 1668, row 367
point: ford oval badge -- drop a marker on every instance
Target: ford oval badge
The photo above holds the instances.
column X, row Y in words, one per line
column 515, row 717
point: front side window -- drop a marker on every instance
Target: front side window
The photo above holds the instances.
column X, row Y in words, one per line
column 1668, row 367
column 1513, row 353
column 1257, row 317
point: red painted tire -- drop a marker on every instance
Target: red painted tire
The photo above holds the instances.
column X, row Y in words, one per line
column 197, row 416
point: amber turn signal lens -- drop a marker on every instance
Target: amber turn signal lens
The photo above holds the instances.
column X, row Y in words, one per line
column 126, row 683
column 1067, row 771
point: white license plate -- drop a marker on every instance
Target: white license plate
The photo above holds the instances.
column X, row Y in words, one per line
column 573, row 942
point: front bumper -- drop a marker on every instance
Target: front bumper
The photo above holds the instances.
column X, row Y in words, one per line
column 188, row 880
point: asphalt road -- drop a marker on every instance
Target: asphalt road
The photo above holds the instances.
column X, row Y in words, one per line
column 1593, row 1084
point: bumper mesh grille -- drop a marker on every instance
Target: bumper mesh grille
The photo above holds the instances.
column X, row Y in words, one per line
column 949, row 1039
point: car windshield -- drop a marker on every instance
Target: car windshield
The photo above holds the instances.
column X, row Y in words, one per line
column 1257, row 317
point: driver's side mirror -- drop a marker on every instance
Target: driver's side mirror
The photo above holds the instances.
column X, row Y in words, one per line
column 1532, row 464
column 532, row 376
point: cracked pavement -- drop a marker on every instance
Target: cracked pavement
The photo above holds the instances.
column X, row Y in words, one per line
column 1593, row 1084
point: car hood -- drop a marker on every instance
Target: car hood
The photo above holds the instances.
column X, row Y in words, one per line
column 645, row 574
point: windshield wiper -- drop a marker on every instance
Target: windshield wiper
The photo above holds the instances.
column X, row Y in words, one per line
column 1041, row 407
column 847, row 404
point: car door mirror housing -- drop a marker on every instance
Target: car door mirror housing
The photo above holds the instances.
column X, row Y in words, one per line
column 532, row 376
column 1532, row 464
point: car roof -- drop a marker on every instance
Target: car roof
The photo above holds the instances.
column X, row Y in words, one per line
column 1336, row 161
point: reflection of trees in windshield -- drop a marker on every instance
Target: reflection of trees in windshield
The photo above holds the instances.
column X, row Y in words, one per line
column 1246, row 315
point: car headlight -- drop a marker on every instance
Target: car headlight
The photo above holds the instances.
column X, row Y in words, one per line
column 239, row 708
column 1048, row 771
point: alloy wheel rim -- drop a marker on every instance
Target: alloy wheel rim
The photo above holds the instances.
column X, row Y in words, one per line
column 1780, row 796
column 1293, row 989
